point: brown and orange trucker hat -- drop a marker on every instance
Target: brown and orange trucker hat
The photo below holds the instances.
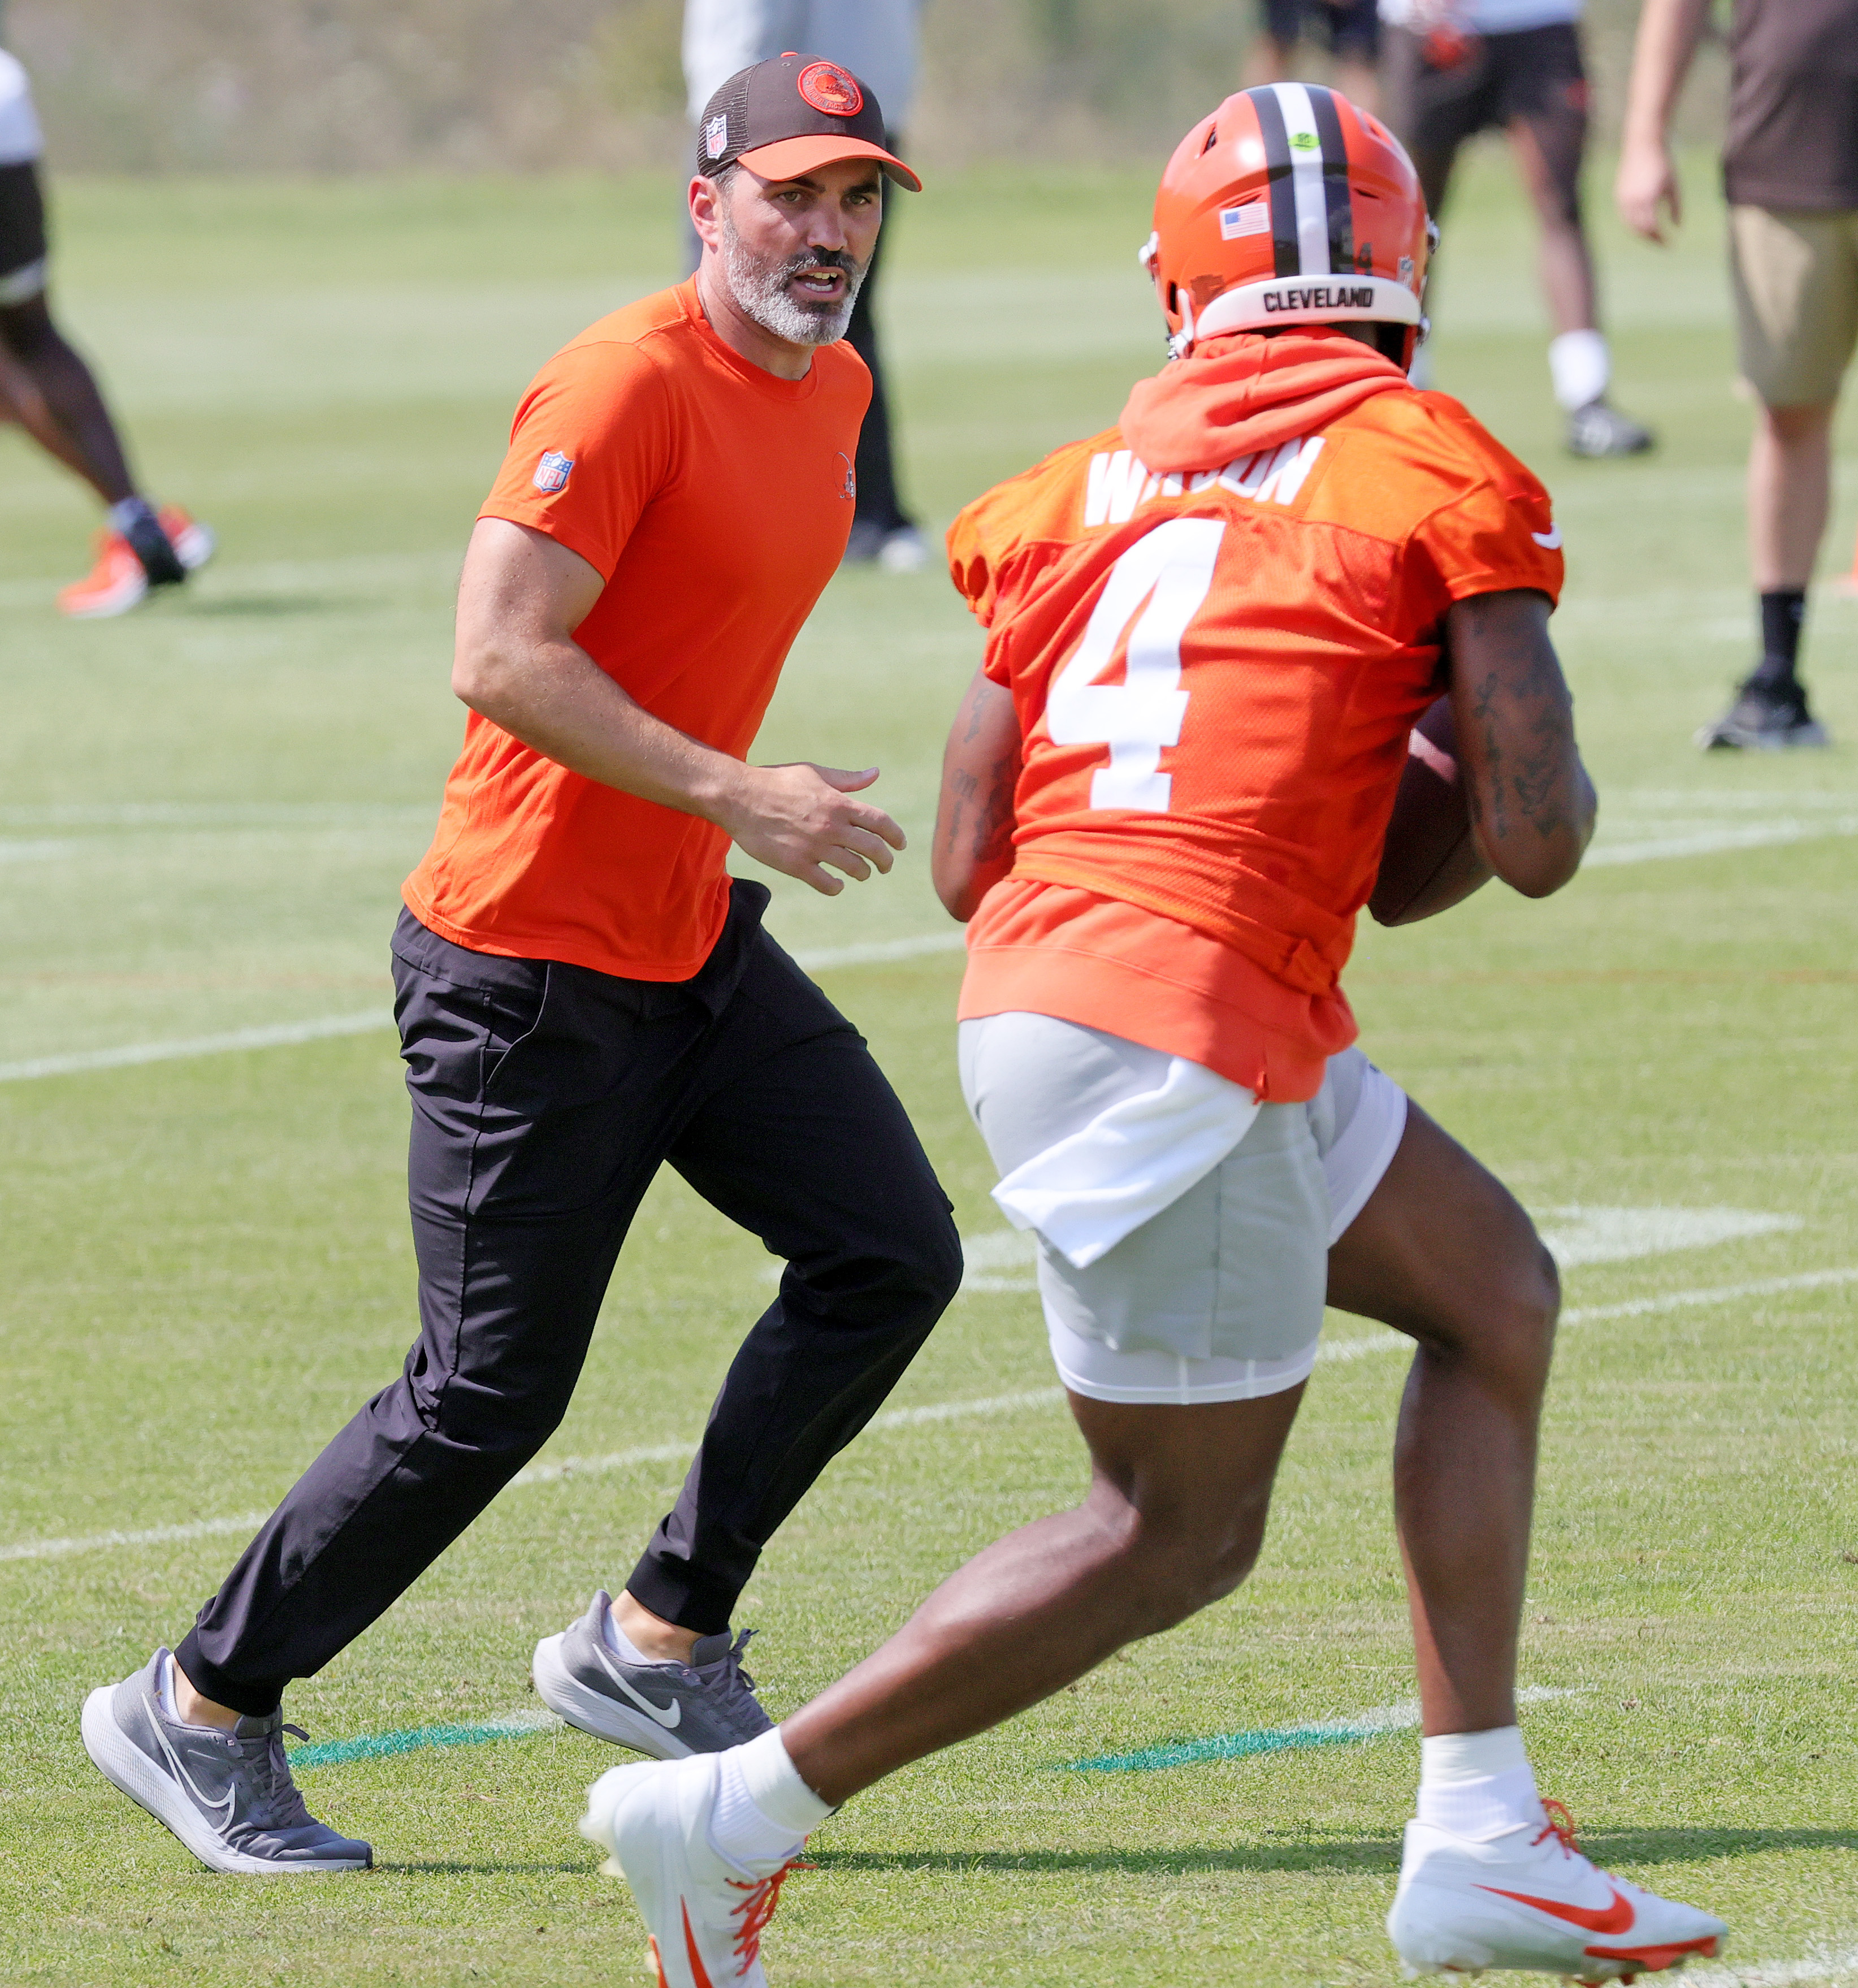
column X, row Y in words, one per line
column 785, row 116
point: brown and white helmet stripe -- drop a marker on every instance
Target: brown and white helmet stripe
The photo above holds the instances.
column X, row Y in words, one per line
column 1288, row 205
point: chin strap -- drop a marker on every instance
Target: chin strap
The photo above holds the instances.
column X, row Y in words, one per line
column 1182, row 342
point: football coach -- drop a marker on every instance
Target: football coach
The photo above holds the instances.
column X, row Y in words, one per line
column 585, row 995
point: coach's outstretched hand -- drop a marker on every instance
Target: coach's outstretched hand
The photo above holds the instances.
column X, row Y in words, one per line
column 797, row 819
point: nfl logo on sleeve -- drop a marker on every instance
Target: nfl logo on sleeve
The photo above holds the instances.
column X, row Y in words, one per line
column 552, row 472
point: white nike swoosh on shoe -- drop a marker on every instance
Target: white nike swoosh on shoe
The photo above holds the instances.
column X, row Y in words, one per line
column 1548, row 540
column 668, row 1716
column 222, row 1808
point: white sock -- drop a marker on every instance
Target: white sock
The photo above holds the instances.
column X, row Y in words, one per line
column 1478, row 1784
column 763, row 1809
column 622, row 1644
column 1580, row 366
column 130, row 511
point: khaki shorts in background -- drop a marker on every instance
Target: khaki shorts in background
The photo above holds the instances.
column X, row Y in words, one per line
column 1795, row 279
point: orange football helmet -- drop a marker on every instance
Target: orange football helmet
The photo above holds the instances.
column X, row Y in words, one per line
column 1288, row 205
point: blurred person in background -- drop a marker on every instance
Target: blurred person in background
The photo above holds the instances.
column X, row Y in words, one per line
column 48, row 390
column 1790, row 172
column 877, row 40
column 1348, row 30
column 1455, row 67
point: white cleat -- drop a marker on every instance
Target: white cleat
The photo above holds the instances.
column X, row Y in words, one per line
column 1529, row 1899
column 705, row 1914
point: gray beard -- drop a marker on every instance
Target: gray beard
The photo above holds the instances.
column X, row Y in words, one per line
column 761, row 292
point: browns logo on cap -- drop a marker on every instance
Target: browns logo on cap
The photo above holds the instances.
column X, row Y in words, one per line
column 784, row 117
column 828, row 87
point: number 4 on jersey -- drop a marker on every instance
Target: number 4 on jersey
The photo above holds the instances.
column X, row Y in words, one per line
column 1170, row 569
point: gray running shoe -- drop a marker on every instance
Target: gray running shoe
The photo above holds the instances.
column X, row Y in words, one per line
column 1600, row 429
column 1763, row 719
column 227, row 1795
column 669, row 1710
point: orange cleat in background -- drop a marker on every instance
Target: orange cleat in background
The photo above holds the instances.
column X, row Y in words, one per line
column 119, row 579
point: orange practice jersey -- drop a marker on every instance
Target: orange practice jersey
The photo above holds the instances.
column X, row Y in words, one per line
column 715, row 500
column 1215, row 676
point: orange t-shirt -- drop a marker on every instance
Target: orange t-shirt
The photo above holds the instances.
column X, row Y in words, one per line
column 1215, row 676
column 715, row 500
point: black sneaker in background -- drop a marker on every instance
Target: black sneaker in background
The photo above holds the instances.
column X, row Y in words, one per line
column 1763, row 717
column 1598, row 430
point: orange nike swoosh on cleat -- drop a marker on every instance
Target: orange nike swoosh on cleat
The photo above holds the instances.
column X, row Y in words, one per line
column 1616, row 1917
column 702, row 1974
column 1654, row 1960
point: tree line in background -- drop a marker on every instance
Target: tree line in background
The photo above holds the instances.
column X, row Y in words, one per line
column 349, row 86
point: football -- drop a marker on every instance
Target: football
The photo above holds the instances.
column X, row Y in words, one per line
column 1430, row 861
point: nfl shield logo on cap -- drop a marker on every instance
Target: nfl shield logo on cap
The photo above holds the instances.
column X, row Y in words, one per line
column 552, row 472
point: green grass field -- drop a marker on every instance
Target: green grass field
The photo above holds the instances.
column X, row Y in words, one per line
column 205, row 811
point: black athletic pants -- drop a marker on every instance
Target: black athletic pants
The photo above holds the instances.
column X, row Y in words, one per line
column 545, row 1098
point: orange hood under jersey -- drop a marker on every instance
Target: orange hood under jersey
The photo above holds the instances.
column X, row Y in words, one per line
column 1216, row 661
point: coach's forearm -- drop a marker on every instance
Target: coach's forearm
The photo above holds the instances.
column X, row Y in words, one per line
column 557, row 701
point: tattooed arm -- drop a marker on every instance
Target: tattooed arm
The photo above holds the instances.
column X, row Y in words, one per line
column 974, row 823
column 1532, row 803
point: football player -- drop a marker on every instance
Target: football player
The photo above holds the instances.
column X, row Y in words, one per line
column 48, row 389
column 1210, row 631
column 1454, row 69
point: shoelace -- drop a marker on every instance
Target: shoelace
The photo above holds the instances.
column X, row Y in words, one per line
column 757, row 1909
column 1559, row 1824
column 284, row 1805
column 726, row 1674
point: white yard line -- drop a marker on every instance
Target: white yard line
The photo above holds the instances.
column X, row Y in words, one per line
column 1830, row 1964
column 160, row 815
column 1004, row 1259
column 814, row 959
column 279, row 1034
column 1329, row 1352
column 1709, row 841
column 148, row 1535
column 818, row 958
column 1588, row 1234
column 1756, row 1287
column 379, row 570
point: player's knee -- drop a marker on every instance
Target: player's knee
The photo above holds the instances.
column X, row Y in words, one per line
column 1184, row 1562
column 1521, row 1305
